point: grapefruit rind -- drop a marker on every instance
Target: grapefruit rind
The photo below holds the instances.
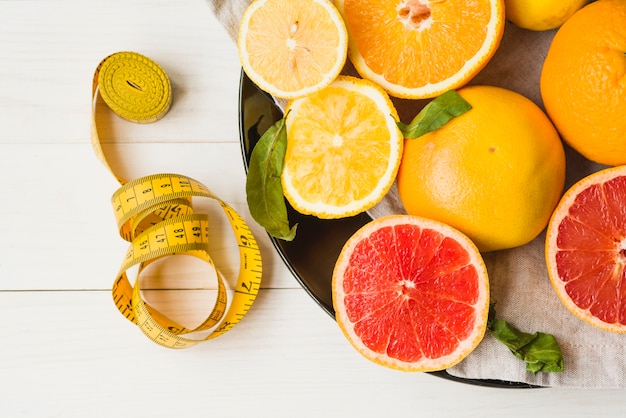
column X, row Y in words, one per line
column 469, row 70
column 279, row 66
column 481, row 305
column 551, row 247
column 323, row 209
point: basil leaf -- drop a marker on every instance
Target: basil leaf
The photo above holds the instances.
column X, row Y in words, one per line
column 435, row 114
column 264, row 190
column 540, row 351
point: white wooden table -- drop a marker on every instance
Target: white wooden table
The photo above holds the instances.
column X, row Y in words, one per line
column 66, row 351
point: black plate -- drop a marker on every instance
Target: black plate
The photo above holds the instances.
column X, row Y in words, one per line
column 312, row 254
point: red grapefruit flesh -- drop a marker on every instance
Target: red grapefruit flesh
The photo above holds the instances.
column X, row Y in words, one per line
column 586, row 249
column 411, row 294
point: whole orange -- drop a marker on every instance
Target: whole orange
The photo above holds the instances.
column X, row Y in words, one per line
column 495, row 172
column 583, row 81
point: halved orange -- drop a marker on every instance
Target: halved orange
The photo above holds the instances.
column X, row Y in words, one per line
column 292, row 48
column 343, row 149
column 411, row 293
column 586, row 249
column 421, row 48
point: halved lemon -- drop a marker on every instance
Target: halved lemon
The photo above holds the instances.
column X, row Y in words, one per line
column 343, row 149
column 292, row 48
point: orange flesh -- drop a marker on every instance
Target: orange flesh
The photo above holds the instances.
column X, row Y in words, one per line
column 412, row 287
column 424, row 40
column 591, row 252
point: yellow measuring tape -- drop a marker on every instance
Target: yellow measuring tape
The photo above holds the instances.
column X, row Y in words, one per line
column 155, row 213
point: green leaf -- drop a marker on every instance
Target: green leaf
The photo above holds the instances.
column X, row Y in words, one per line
column 435, row 114
column 540, row 351
column 264, row 190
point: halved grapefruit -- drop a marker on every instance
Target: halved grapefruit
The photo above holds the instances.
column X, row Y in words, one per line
column 411, row 294
column 586, row 249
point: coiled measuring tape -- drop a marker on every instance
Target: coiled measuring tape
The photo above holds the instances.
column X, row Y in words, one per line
column 155, row 213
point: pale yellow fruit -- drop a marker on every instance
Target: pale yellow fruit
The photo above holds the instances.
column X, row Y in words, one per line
column 539, row 15
column 292, row 48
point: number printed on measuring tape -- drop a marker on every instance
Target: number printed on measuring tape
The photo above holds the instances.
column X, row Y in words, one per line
column 155, row 213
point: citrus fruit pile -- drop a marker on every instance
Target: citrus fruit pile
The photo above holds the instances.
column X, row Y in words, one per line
column 411, row 48
column 584, row 91
column 410, row 291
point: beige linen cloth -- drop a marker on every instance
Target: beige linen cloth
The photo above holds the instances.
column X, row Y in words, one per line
column 518, row 277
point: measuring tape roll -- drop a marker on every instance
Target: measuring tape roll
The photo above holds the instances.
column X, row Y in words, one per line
column 134, row 87
column 155, row 213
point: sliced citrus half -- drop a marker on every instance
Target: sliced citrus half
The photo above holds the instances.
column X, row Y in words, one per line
column 343, row 149
column 586, row 249
column 420, row 48
column 292, row 48
column 411, row 293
